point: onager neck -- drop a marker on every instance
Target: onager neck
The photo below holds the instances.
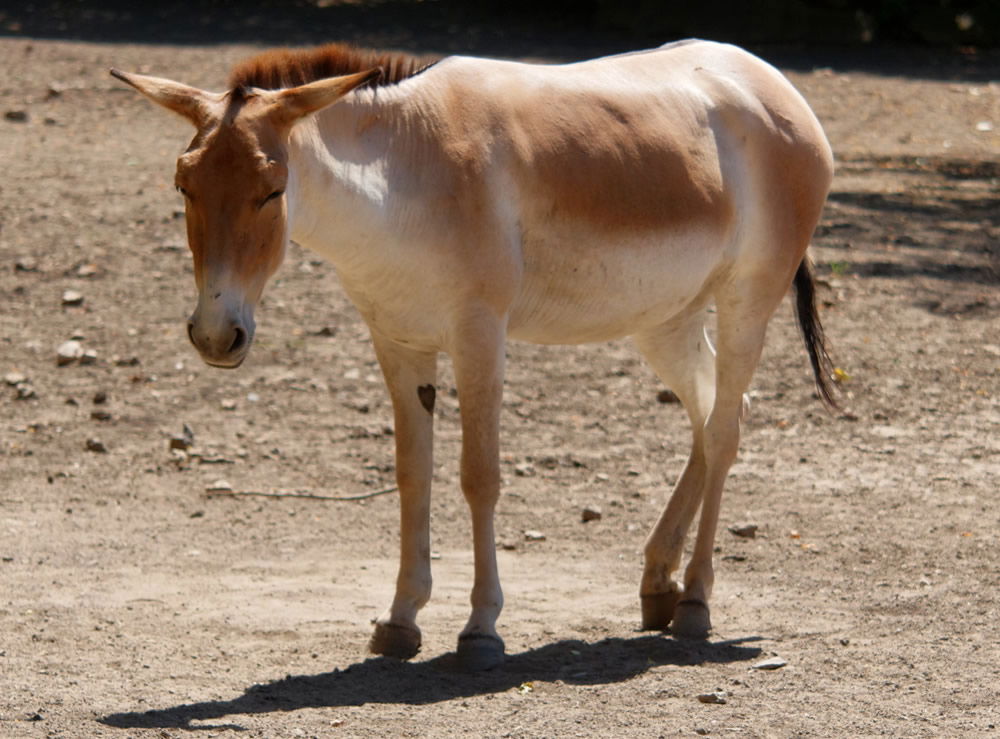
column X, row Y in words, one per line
column 337, row 178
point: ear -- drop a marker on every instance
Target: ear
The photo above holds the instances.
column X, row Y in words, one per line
column 190, row 102
column 296, row 102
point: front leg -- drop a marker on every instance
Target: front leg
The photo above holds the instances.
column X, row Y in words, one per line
column 410, row 376
column 478, row 357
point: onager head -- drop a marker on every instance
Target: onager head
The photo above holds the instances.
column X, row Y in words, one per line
column 233, row 177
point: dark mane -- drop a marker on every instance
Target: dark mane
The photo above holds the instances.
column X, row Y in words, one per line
column 279, row 68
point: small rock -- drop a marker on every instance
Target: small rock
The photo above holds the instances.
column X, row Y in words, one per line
column 68, row 352
column 717, row 697
column 524, row 470
column 25, row 391
column 179, row 442
column 508, row 546
column 87, row 270
column 100, row 415
column 744, row 530
column 16, row 116
column 184, row 440
column 591, row 513
column 773, row 663
column 96, row 445
column 26, row 264
column 125, row 361
column 100, row 397
column 89, row 356
column 72, row 297
column 701, row 731
column 14, row 378
column 532, row 535
column 228, row 404
column 667, row 396
column 219, row 486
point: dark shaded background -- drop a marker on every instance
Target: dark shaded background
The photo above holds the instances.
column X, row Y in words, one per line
column 945, row 39
column 946, row 23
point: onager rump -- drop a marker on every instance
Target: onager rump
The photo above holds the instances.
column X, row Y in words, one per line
column 471, row 200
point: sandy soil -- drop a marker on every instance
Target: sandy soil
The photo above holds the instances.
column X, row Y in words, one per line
column 133, row 605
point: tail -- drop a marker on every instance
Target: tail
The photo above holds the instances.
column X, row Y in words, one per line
column 812, row 333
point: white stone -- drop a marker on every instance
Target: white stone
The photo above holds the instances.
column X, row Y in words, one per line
column 69, row 351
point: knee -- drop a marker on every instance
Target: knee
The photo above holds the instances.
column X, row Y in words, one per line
column 481, row 481
column 722, row 438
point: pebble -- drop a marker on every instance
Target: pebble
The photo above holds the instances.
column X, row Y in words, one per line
column 87, row 270
column 591, row 513
column 228, row 405
column 72, row 297
column 16, row 116
column 26, row 264
column 773, row 663
column 219, row 486
column 524, row 470
column 100, row 415
column 96, row 445
column 717, row 697
column 744, row 530
column 68, row 352
column 14, row 378
column 532, row 535
column 89, row 356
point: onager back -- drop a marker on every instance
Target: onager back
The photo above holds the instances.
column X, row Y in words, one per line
column 471, row 200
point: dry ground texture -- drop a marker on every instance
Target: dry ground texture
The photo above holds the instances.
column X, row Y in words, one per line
column 134, row 605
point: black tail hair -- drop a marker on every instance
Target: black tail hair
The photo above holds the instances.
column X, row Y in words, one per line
column 812, row 333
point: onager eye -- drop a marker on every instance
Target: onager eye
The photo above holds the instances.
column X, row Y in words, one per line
column 181, row 190
column 273, row 196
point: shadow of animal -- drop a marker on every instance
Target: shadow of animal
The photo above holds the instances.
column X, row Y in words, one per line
column 387, row 680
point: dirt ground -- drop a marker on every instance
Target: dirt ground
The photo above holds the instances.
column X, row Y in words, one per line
column 132, row 604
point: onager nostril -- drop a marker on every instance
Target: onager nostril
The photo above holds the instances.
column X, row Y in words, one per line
column 239, row 341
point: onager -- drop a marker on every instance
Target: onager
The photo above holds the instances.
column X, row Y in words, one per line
column 470, row 200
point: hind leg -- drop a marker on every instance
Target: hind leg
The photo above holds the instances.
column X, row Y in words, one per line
column 742, row 324
column 682, row 356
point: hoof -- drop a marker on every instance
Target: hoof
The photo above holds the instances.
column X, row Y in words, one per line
column 658, row 610
column 479, row 652
column 392, row 640
column 691, row 620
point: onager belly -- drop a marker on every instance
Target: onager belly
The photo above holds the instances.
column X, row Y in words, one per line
column 589, row 290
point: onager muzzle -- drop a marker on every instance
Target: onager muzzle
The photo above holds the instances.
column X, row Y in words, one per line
column 221, row 330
